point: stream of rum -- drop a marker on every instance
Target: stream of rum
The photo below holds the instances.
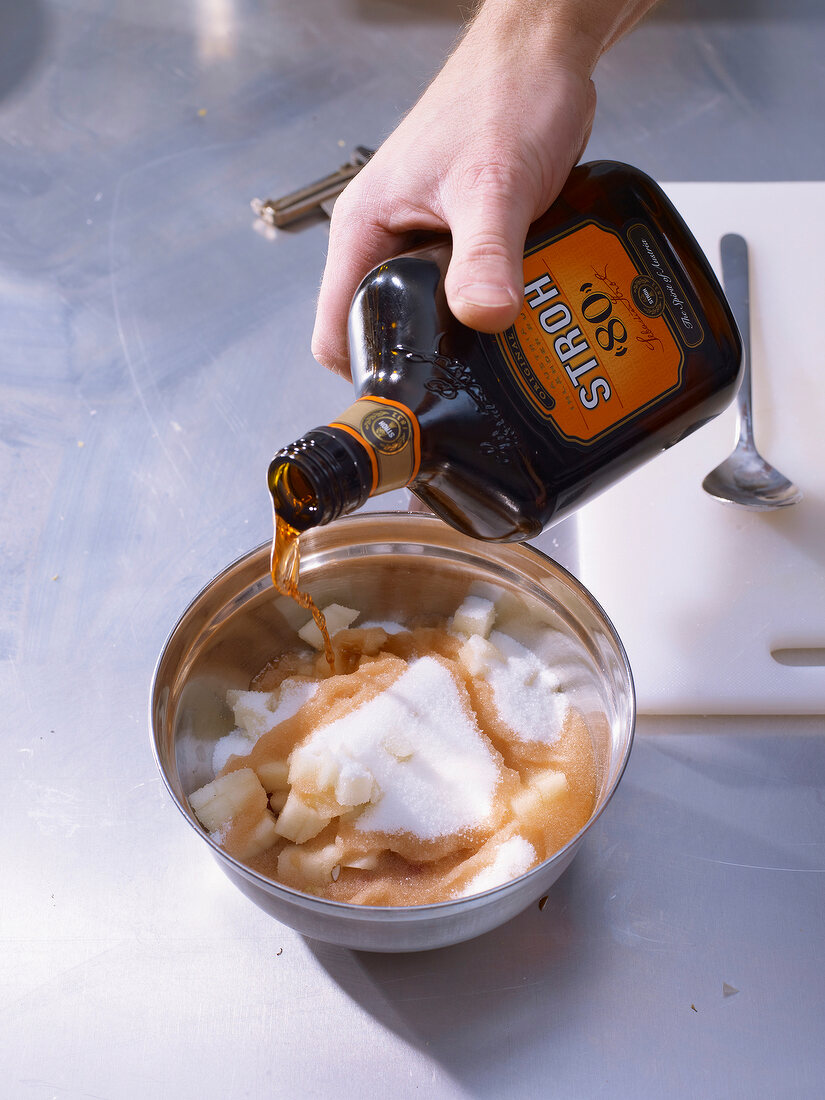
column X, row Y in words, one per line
column 285, row 564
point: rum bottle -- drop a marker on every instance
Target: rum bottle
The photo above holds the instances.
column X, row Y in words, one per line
column 624, row 345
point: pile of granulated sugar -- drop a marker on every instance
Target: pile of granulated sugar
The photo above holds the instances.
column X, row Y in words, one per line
column 512, row 858
column 527, row 693
column 256, row 713
column 419, row 740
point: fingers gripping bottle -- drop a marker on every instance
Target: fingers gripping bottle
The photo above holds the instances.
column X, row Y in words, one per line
column 624, row 345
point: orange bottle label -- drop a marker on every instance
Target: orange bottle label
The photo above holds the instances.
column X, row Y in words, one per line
column 594, row 343
column 389, row 433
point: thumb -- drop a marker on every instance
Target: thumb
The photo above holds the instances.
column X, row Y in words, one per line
column 485, row 278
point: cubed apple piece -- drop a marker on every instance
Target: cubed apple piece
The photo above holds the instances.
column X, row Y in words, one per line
column 545, row 789
column 253, row 711
column 277, row 800
column 227, row 796
column 312, row 770
column 364, row 861
column 354, row 785
column 274, row 775
column 475, row 616
column 258, row 839
column 299, row 822
column 337, row 618
column 479, row 656
column 372, row 641
column 398, row 745
column 304, row 866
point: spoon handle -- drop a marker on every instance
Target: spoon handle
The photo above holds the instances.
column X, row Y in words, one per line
column 734, row 251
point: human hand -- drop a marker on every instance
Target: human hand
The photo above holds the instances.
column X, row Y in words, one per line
column 482, row 154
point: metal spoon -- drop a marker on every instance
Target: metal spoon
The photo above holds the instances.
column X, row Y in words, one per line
column 745, row 478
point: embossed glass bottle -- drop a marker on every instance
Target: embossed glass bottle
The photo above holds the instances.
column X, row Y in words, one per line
column 624, row 345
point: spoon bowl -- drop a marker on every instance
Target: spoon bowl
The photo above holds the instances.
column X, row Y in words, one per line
column 745, row 478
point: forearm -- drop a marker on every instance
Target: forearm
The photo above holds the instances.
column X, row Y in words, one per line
column 483, row 152
column 572, row 32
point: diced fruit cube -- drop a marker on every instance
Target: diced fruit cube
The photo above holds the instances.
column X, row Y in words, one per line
column 354, row 785
column 263, row 836
column 274, row 775
column 373, row 640
column 397, row 745
column 337, row 617
column 253, row 711
column 478, row 656
column 312, row 867
column 539, row 798
column 367, row 861
column 313, row 771
column 227, row 796
column 475, row 616
column 299, row 822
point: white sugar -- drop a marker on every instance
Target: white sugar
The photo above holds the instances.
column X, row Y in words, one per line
column 512, row 858
column 235, row 743
column 291, row 697
column 446, row 784
column 252, row 710
column 257, row 712
column 527, row 693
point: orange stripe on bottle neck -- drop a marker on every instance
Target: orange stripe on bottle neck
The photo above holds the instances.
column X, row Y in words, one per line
column 370, row 452
column 415, row 427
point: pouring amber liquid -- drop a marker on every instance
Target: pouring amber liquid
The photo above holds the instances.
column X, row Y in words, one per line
column 284, row 565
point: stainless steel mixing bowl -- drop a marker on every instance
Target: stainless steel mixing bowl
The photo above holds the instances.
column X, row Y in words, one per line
column 390, row 566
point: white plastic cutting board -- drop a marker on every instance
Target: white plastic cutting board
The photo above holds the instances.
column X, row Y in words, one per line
column 703, row 594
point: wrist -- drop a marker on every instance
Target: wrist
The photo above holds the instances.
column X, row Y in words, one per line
column 573, row 33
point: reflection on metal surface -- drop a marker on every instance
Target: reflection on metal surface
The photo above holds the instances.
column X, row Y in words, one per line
column 216, row 29
column 23, row 34
column 131, row 318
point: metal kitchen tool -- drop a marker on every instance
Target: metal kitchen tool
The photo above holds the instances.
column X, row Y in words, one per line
column 745, row 478
column 314, row 198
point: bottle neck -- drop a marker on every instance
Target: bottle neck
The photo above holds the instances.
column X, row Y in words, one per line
column 319, row 477
column 372, row 447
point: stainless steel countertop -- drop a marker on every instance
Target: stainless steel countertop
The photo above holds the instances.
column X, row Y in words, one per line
column 155, row 349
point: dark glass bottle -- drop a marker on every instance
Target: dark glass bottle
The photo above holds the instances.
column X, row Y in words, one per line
column 624, row 345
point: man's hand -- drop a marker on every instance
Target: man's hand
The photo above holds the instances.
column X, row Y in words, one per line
column 482, row 154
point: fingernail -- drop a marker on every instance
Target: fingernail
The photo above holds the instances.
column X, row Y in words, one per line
column 486, row 294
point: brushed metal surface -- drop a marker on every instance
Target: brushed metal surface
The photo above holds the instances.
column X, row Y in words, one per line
column 153, row 352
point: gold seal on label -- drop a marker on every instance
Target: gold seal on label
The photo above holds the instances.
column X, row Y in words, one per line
column 388, row 430
column 648, row 296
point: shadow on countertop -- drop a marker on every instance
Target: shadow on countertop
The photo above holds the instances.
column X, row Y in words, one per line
column 708, row 864
column 23, row 35
column 472, row 1007
column 685, row 11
